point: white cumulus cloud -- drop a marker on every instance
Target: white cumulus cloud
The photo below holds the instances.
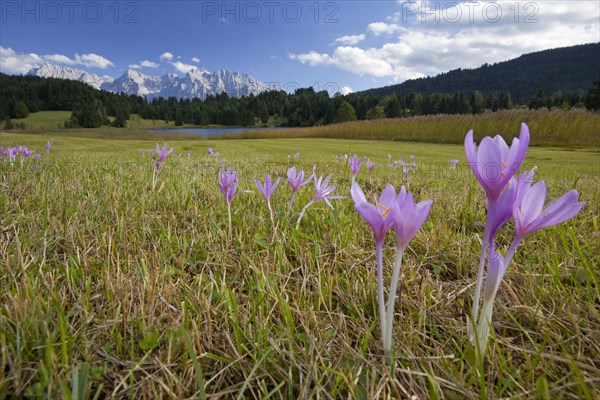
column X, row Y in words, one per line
column 93, row 61
column 13, row 62
column 350, row 39
column 379, row 28
column 195, row 59
column 182, row 67
column 166, row 56
column 346, row 90
column 148, row 64
column 312, row 58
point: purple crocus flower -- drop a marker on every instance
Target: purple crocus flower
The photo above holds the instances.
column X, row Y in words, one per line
column 406, row 217
column 211, row 152
column 409, row 218
column 48, row 147
column 296, row 181
column 370, row 166
column 267, row 191
column 10, row 153
column 228, row 185
column 24, row 151
column 494, row 163
column 529, row 212
column 337, row 158
column 296, row 156
column 380, row 218
column 453, row 163
column 323, row 192
column 355, row 165
column 268, row 188
column 161, row 154
column 530, row 215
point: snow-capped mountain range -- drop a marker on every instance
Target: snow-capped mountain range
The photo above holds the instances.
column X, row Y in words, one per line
column 196, row 83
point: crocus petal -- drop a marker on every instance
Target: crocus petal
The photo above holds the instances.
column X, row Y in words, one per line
column 357, row 194
column 259, row 187
column 275, row 185
column 503, row 147
column 490, row 165
column 560, row 210
column 387, row 196
column 517, row 153
column 500, row 210
column 533, row 202
column 471, row 153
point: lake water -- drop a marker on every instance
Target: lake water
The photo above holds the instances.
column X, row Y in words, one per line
column 209, row 131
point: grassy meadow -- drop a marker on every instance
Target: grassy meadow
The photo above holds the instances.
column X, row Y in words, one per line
column 112, row 290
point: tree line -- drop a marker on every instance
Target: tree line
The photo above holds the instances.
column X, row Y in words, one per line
column 91, row 108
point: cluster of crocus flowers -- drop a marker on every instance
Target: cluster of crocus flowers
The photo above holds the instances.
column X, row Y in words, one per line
column 406, row 217
column 213, row 153
column 10, row 154
column 158, row 155
column 494, row 165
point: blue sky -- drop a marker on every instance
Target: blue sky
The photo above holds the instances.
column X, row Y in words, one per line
column 331, row 45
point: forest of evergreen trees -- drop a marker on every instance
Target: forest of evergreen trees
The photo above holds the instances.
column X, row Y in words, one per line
column 90, row 107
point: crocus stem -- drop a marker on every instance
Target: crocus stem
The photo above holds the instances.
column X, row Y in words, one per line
column 387, row 341
column 485, row 318
column 154, row 178
column 287, row 213
column 380, row 296
column 271, row 214
column 478, row 285
column 479, row 282
column 484, row 322
column 511, row 251
column 302, row 213
column 229, row 215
